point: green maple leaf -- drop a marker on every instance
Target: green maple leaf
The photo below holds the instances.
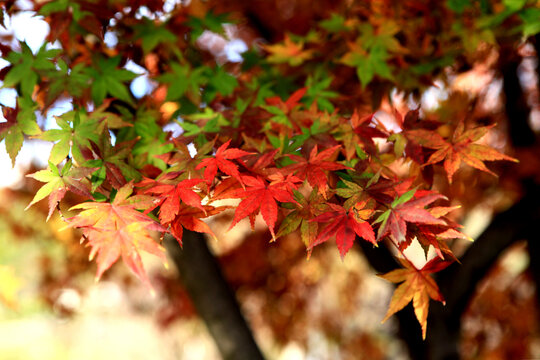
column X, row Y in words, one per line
column 211, row 21
column 152, row 35
column 219, row 82
column 73, row 80
column 108, row 79
column 372, row 50
column 26, row 66
column 183, row 80
column 57, row 183
column 317, row 91
column 64, row 6
column 20, row 121
column 334, row 24
column 208, row 121
column 306, row 209
column 152, row 139
column 76, row 131
column 112, row 162
column 369, row 64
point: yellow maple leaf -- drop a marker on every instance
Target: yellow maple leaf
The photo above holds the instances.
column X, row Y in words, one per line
column 288, row 52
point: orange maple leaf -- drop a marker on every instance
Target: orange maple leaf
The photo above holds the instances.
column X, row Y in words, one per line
column 417, row 286
column 461, row 148
column 190, row 218
column 118, row 229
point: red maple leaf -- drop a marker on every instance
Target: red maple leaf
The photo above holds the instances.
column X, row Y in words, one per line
column 261, row 164
column 221, row 161
column 313, row 169
column 366, row 133
column 345, row 225
column 408, row 209
column 460, row 149
column 170, row 195
column 260, row 196
column 436, row 234
column 290, row 103
column 190, row 218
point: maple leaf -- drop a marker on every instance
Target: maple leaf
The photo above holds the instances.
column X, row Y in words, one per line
column 26, row 66
column 373, row 186
column 118, row 229
column 72, row 137
column 313, row 169
column 406, row 209
column 371, row 52
column 260, row 164
column 288, row 52
column 345, row 225
column 434, row 235
column 460, row 149
column 189, row 217
column 282, row 110
column 352, row 192
column 417, row 286
column 152, row 35
column 221, row 161
column 20, row 121
column 111, row 161
column 289, row 104
column 306, row 209
column 365, row 132
column 184, row 80
column 260, row 196
column 181, row 159
column 65, row 80
column 109, row 78
column 57, row 183
column 169, row 195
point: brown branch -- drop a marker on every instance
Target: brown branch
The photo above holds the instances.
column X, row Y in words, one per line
column 516, row 108
column 214, row 300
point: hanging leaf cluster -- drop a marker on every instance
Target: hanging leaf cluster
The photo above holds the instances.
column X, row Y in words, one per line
column 291, row 130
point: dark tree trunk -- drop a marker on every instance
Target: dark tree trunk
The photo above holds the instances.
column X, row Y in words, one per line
column 212, row 297
column 516, row 108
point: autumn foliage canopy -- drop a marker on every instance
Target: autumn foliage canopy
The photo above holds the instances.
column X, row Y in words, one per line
column 302, row 129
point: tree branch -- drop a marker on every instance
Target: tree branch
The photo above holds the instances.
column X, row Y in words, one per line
column 516, row 108
column 212, row 297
